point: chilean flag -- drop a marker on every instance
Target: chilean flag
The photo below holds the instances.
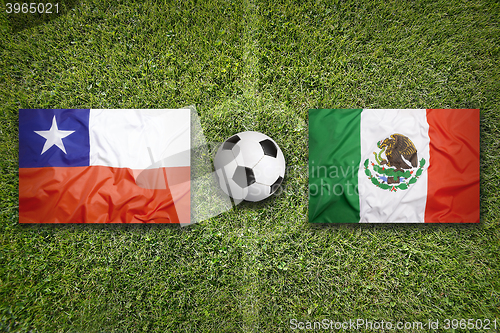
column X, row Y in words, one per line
column 97, row 166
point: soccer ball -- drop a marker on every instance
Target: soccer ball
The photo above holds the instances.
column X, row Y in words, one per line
column 250, row 166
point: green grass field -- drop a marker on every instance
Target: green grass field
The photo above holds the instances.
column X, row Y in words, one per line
column 250, row 65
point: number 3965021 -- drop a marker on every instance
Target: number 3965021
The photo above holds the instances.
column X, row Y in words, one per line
column 31, row 8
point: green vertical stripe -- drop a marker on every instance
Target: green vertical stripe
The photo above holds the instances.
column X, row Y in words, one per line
column 334, row 158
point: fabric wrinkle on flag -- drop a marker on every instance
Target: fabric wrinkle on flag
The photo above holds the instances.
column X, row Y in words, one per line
column 413, row 165
column 96, row 179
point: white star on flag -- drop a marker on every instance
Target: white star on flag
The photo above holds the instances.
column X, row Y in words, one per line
column 53, row 136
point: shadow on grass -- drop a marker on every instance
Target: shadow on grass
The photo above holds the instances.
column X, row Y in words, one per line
column 111, row 227
column 427, row 227
column 45, row 12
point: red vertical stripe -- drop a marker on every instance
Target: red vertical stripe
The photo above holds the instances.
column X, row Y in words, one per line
column 453, row 173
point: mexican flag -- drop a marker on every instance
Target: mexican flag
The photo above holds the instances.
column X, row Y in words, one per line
column 393, row 165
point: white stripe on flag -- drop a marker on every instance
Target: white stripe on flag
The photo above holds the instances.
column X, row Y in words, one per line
column 128, row 138
column 378, row 205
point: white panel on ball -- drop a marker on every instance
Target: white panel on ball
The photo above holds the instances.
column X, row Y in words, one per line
column 281, row 162
column 250, row 153
column 258, row 192
column 267, row 170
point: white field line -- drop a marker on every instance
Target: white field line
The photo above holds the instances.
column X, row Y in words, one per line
column 249, row 301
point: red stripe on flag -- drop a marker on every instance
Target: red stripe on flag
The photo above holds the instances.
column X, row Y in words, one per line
column 453, row 173
column 98, row 194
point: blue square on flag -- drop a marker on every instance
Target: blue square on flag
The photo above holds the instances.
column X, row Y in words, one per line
column 53, row 138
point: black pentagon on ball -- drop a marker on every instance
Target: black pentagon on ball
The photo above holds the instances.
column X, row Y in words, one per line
column 229, row 144
column 269, row 148
column 243, row 176
column 276, row 184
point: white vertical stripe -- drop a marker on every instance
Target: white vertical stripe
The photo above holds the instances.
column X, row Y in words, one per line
column 376, row 204
column 129, row 138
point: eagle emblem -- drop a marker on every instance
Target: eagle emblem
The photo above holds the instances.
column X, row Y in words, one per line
column 399, row 169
